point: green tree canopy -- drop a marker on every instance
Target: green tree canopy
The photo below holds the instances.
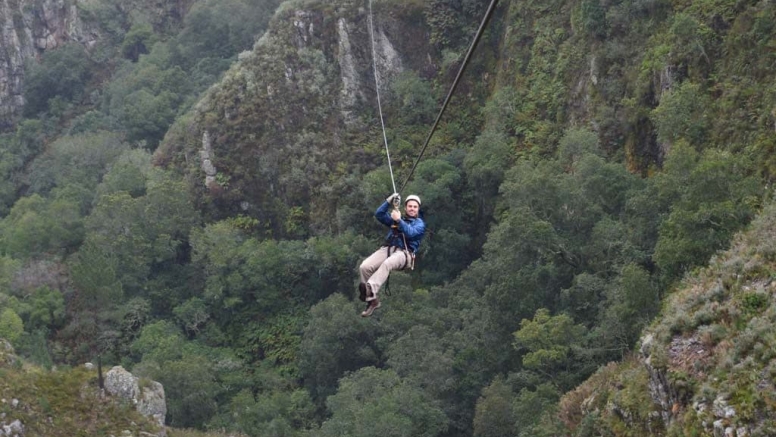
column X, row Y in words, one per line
column 11, row 325
column 374, row 402
column 549, row 341
column 61, row 73
column 332, row 344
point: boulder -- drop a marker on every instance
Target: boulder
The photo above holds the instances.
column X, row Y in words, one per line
column 7, row 354
column 13, row 429
column 147, row 396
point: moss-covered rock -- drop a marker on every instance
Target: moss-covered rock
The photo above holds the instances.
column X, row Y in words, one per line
column 67, row 402
column 707, row 365
column 146, row 395
column 8, row 356
column 295, row 116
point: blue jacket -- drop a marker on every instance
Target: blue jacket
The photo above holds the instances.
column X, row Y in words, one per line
column 413, row 229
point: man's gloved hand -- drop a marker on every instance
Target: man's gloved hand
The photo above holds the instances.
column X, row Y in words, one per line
column 396, row 215
column 390, row 198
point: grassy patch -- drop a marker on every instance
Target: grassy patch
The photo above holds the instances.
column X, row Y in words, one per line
column 66, row 403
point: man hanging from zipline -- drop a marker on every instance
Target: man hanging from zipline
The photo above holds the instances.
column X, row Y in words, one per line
column 397, row 252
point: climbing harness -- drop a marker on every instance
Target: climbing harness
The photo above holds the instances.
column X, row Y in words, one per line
column 410, row 262
column 409, row 256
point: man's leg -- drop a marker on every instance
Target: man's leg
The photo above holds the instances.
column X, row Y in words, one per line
column 367, row 268
column 396, row 261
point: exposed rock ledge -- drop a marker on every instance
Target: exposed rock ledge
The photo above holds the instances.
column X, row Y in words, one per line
column 146, row 395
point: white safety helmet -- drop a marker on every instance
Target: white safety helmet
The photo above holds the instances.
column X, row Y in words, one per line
column 412, row 197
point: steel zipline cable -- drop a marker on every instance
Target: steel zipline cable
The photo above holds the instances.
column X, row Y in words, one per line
column 377, row 88
column 483, row 24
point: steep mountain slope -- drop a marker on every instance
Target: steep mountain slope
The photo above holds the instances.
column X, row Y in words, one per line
column 65, row 402
column 595, row 153
column 31, row 28
column 292, row 125
column 706, row 365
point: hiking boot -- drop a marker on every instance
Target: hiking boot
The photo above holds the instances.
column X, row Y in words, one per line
column 362, row 292
column 371, row 307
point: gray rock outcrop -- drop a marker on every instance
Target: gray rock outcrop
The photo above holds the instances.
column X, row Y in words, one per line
column 659, row 388
column 27, row 29
column 13, row 429
column 387, row 61
column 206, row 160
column 147, row 396
column 7, row 354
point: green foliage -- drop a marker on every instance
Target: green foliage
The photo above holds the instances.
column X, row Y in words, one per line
column 276, row 342
column 95, row 276
column 192, row 314
column 415, row 99
column 61, row 73
column 187, row 432
column 560, row 218
column 36, row 226
column 143, row 232
column 219, row 30
column 420, row 359
column 145, row 97
column 485, row 166
column 534, row 411
column 195, row 377
column 76, row 160
column 97, row 294
column 8, row 268
column 631, row 303
column 549, row 340
column 268, row 275
column 332, row 344
column 159, row 342
column 34, row 347
column 690, row 40
column 148, row 116
column 246, row 271
column 451, row 22
column 681, row 114
column 575, row 145
column 592, row 18
column 129, row 172
column 494, row 414
column 280, row 413
column 443, row 255
column 500, row 111
column 374, row 402
column 137, row 41
column 47, row 309
column 190, row 389
column 714, row 194
column 16, row 150
column 11, row 325
column 531, row 206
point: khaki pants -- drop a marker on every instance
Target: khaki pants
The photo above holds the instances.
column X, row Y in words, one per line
column 375, row 269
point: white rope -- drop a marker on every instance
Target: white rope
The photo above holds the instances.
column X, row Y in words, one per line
column 377, row 87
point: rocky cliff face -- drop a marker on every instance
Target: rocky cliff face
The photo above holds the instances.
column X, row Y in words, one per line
column 300, row 102
column 28, row 29
column 707, row 365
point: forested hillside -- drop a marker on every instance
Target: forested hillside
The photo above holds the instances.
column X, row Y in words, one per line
column 190, row 197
